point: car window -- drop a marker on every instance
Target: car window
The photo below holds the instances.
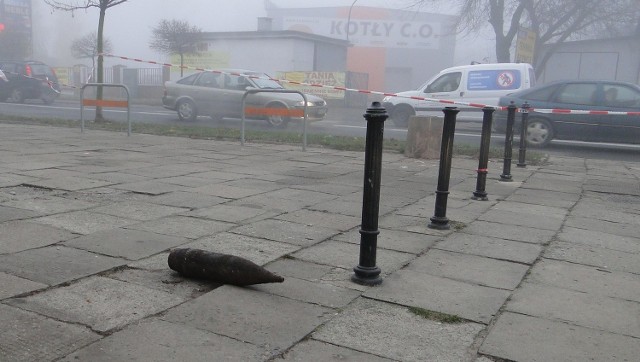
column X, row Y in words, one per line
column 543, row 94
column 620, row 96
column 532, row 77
column 235, row 82
column 8, row 67
column 188, row 80
column 578, row 93
column 445, row 83
column 209, row 80
column 265, row 82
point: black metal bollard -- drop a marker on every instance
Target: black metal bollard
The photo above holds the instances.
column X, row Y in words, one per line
column 483, row 160
column 439, row 219
column 508, row 143
column 522, row 155
column 366, row 272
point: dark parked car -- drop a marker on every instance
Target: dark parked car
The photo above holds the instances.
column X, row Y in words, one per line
column 561, row 96
column 219, row 94
column 28, row 80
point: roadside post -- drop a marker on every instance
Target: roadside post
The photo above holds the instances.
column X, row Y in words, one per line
column 522, row 154
column 508, row 143
column 439, row 220
column 483, row 160
column 105, row 102
column 367, row 272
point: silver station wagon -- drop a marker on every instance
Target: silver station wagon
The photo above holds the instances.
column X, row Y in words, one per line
column 218, row 94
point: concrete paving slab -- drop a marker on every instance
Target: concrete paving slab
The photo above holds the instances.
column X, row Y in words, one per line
column 611, row 185
column 287, row 267
column 154, row 263
column 56, row 264
column 264, row 201
column 165, row 280
column 11, row 179
column 491, row 247
column 470, row 268
column 509, row 232
column 12, row 213
column 149, row 187
column 600, row 239
column 49, row 204
column 126, row 243
column 608, row 227
column 322, row 351
column 531, row 208
column 259, row 251
column 326, row 295
column 226, row 191
column 591, row 280
column 70, row 183
column 517, row 337
column 545, row 198
column 136, row 210
column 27, row 336
column 263, row 319
column 286, row 232
column 346, row 256
column 186, row 180
column 22, row 235
column 380, row 329
column 469, row 301
column 403, row 241
column 522, row 219
column 327, row 220
column 306, row 196
column 590, row 255
column 183, row 226
column 190, row 200
column 12, row 286
column 228, row 213
column 587, row 310
column 84, row 222
column 117, row 177
column 157, row 340
column 101, row 303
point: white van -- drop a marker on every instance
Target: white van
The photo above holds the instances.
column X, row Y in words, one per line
column 476, row 83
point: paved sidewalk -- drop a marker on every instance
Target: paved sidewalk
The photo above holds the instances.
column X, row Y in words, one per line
column 547, row 270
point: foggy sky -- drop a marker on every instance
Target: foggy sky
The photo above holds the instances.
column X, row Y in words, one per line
column 129, row 26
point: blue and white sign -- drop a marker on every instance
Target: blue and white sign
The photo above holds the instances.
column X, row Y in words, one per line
column 494, row 79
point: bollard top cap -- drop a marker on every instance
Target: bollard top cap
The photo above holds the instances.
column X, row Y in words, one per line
column 376, row 110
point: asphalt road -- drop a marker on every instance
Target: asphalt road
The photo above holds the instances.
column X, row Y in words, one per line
column 339, row 122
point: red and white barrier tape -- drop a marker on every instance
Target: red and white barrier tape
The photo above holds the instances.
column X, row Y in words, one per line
column 435, row 100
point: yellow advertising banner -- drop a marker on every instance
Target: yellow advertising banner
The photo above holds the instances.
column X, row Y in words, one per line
column 204, row 60
column 329, row 79
column 525, row 46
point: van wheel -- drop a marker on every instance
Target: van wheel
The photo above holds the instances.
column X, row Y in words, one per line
column 539, row 132
column 277, row 121
column 16, row 96
column 401, row 115
column 187, row 110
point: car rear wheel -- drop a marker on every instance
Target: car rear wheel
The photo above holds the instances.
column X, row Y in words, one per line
column 16, row 96
column 277, row 120
column 401, row 115
column 187, row 110
column 539, row 132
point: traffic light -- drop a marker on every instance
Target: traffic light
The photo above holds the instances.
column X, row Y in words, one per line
column 1, row 27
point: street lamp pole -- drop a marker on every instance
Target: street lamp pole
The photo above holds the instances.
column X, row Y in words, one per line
column 349, row 19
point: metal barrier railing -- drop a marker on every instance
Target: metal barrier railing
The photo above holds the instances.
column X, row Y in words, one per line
column 105, row 102
column 287, row 112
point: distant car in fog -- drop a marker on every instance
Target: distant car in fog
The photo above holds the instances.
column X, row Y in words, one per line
column 28, row 80
column 219, row 94
column 577, row 95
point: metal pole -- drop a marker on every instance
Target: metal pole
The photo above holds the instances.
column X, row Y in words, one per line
column 366, row 272
column 439, row 220
column 483, row 160
column 508, row 143
column 522, row 155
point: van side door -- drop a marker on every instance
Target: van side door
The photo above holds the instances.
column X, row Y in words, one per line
column 444, row 87
column 487, row 86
